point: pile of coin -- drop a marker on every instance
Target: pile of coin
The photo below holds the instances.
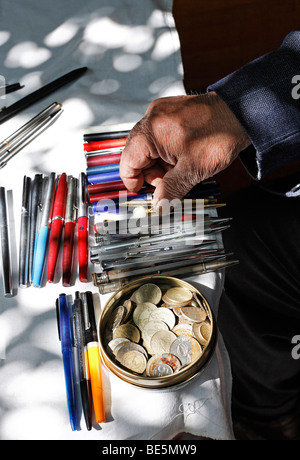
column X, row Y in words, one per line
column 158, row 332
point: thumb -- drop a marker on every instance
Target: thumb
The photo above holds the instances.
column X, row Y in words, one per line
column 174, row 184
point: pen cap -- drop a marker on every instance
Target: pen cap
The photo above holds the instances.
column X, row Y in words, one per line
column 71, row 200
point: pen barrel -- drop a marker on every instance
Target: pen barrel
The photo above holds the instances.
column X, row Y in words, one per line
column 54, row 245
column 96, row 380
column 103, row 145
column 83, row 248
column 70, row 386
column 68, row 252
column 99, row 160
column 39, row 258
column 23, row 254
column 5, row 246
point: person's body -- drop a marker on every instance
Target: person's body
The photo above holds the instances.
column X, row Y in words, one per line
column 254, row 113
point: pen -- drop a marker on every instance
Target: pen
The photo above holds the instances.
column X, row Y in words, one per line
column 29, row 136
column 57, row 224
column 106, row 187
column 70, row 222
column 24, row 233
column 42, row 241
column 36, row 196
column 95, row 137
column 39, row 94
column 106, row 144
column 121, row 194
column 65, row 337
column 5, row 246
column 15, row 137
column 83, row 229
column 9, row 88
column 105, row 177
column 85, row 384
column 93, row 356
column 99, row 160
column 186, row 272
column 102, row 169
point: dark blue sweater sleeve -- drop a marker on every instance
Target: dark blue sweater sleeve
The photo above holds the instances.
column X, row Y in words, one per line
column 264, row 97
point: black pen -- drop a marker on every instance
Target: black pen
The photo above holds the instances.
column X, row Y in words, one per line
column 35, row 205
column 79, row 343
column 25, row 222
column 5, row 246
column 39, row 94
column 9, row 88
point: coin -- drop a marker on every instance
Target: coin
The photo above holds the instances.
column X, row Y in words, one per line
column 202, row 332
column 161, row 341
column 129, row 306
column 165, row 315
column 193, row 313
column 166, row 358
column 134, row 360
column 162, row 369
column 148, row 292
column 178, row 295
column 151, row 328
column 116, row 318
column 127, row 330
column 128, row 346
column 183, row 329
column 112, row 344
column 142, row 312
column 186, row 348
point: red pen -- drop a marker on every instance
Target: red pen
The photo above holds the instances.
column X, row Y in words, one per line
column 58, row 217
column 103, row 145
column 100, row 160
column 83, row 229
column 70, row 222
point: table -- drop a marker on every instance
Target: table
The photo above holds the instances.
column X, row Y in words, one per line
column 133, row 56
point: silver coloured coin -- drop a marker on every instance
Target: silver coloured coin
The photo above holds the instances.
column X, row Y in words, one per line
column 161, row 342
column 162, row 369
column 148, row 292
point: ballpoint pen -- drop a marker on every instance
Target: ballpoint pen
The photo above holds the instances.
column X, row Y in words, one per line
column 102, row 169
column 57, row 223
column 5, row 245
column 65, row 336
column 98, row 160
column 36, row 197
column 105, row 177
column 85, row 384
column 42, row 241
column 8, row 112
column 186, row 272
column 70, row 222
column 105, row 144
column 24, row 233
column 29, row 136
column 10, row 87
column 93, row 356
column 98, row 136
column 83, row 229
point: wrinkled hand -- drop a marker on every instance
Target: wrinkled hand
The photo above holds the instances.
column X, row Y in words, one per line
column 181, row 141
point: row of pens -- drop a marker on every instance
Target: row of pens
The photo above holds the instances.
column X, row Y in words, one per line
column 130, row 239
column 51, row 207
column 77, row 333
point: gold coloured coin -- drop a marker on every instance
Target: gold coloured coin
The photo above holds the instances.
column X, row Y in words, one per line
column 202, row 332
column 192, row 313
column 134, row 360
column 128, row 331
column 129, row 306
column 183, row 329
column 178, row 295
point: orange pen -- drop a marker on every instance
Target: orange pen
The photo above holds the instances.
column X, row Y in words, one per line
column 92, row 356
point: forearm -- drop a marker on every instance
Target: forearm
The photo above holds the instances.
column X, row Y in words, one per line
column 260, row 94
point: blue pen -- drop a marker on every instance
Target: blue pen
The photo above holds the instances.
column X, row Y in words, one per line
column 114, row 204
column 105, row 177
column 41, row 247
column 65, row 336
column 102, row 169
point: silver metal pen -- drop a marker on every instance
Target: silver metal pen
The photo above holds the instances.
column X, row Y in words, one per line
column 5, row 245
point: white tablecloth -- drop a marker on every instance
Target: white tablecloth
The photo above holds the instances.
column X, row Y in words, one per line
column 133, row 55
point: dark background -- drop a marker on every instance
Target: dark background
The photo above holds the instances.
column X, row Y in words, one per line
column 219, row 36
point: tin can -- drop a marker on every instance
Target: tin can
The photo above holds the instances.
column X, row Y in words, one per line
column 186, row 372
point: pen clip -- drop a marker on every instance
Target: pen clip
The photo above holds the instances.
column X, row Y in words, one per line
column 57, row 317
